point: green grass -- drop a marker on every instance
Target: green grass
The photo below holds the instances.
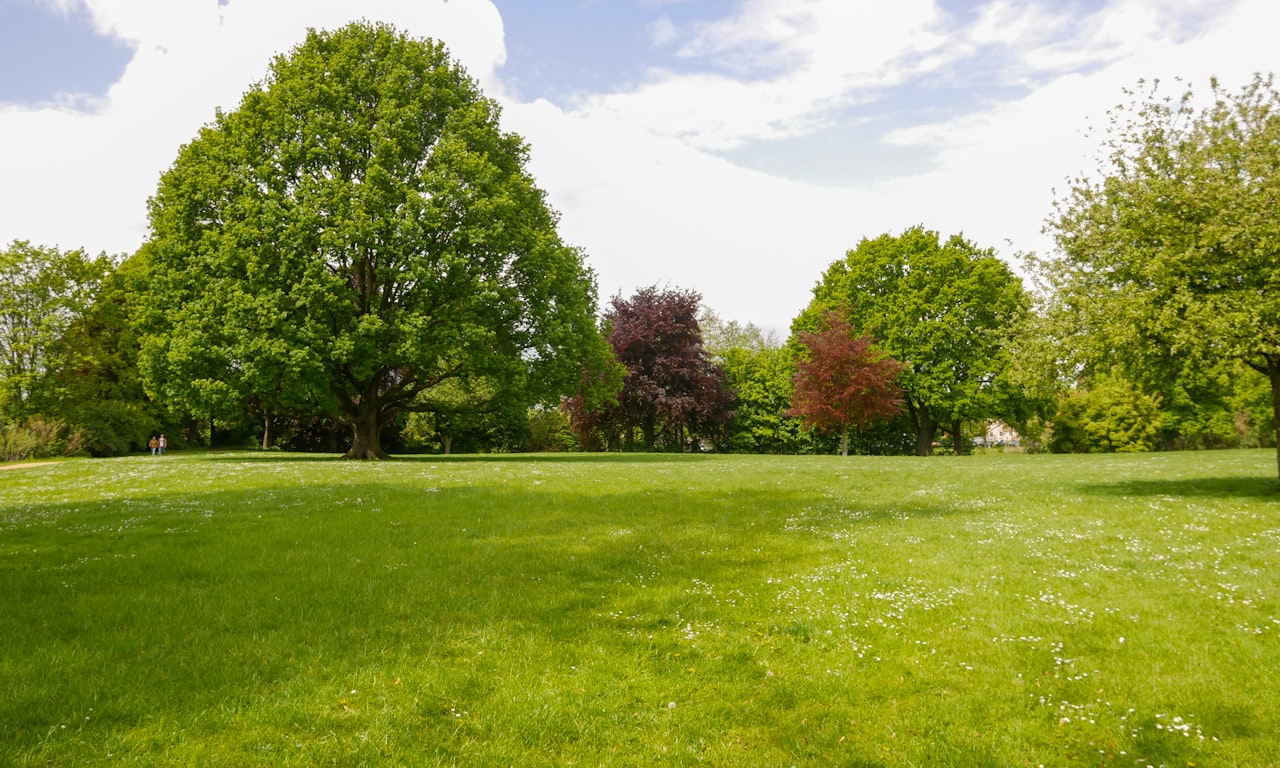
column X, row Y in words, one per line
column 257, row 609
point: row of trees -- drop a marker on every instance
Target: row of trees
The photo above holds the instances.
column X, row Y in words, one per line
column 357, row 259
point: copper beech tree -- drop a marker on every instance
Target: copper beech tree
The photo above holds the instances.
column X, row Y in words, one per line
column 671, row 395
column 842, row 380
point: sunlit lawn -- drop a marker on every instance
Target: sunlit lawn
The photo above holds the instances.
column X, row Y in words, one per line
column 266, row 609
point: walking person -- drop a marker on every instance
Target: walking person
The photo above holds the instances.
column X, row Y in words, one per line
column 162, row 443
column 153, row 444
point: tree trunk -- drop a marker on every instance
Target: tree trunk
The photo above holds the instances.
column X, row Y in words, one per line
column 924, row 425
column 1273, row 372
column 447, row 441
column 650, row 433
column 844, row 441
column 957, row 439
column 266, row 432
column 366, row 431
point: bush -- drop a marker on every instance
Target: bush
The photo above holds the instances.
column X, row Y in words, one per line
column 41, row 438
column 1113, row 416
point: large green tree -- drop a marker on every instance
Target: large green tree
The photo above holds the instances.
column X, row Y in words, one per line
column 944, row 309
column 358, row 231
column 1170, row 255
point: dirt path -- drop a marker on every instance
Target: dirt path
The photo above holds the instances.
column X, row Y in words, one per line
column 24, row 466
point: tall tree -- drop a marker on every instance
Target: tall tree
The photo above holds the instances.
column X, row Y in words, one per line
column 1170, row 252
column 842, row 381
column 358, row 231
column 942, row 308
column 93, row 383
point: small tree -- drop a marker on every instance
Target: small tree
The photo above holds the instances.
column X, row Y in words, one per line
column 842, row 380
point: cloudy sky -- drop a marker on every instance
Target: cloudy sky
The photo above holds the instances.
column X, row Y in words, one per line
column 735, row 147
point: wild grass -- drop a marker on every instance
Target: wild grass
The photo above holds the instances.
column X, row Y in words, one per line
column 627, row 610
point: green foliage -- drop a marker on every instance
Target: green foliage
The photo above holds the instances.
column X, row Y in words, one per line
column 43, row 293
column 945, row 309
column 720, row 336
column 760, row 380
column 1168, row 256
column 1250, row 400
column 1110, row 416
column 549, row 431
column 758, row 370
column 95, row 385
column 37, row 437
column 357, row 232
column 466, row 413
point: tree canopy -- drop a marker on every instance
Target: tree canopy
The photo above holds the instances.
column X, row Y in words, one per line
column 43, row 293
column 941, row 308
column 842, row 380
column 1170, row 255
column 357, row 232
column 671, row 391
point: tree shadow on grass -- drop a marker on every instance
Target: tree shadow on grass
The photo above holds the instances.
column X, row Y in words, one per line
column 580, row 458
column 300, row 592
column 460, row 458
column 1193, row 487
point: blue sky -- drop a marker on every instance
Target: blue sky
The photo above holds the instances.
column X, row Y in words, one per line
column 736, row 147
column 44, row 52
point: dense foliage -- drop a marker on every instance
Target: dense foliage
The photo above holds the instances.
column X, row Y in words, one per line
column 1168, row 256
column 355, row 257
column 67, row 376
column 356, row 234
column 944, row 309
column 842, row 381
column 673, row 396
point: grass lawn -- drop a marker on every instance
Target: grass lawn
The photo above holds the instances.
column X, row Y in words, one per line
column 240, row 609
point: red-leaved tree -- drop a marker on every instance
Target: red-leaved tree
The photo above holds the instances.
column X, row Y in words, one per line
column 672, row 388
column 842, row 380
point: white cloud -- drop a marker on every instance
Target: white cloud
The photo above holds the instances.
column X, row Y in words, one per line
column 627, row 171
column 634, row 173
column 83, row 179
column 777, row 69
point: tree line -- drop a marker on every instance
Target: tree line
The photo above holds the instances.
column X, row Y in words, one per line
column 357, row 260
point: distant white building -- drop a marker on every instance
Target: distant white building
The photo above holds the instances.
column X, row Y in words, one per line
column 999, row 434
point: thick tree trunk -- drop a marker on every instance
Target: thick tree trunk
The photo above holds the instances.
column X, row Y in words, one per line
column 924, row 425
column 366, row 431
column 447, row 441
column 266, row 432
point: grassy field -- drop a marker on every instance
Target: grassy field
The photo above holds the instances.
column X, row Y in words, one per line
column 263, row 609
